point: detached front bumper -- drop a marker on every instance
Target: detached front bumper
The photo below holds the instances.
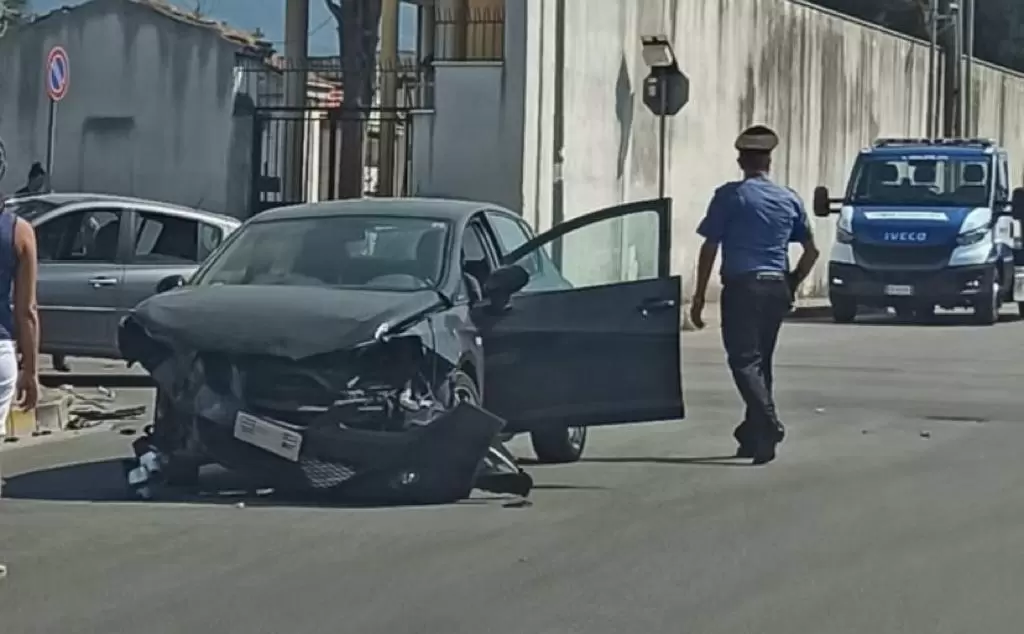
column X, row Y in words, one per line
column 949, row 287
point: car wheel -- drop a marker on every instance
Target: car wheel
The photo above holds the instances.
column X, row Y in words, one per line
column 464, row 388
column 179, row 471
column 905, row 314
column 559, row 445
column 1020, row 308
column 986, row 311
column 844, row 311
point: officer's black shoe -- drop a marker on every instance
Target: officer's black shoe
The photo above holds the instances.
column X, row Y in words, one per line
column 747, row 441
column 764, row 450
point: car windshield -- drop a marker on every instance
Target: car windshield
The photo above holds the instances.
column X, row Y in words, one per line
column 29, row 208
column 924, row 180
column 370, row 252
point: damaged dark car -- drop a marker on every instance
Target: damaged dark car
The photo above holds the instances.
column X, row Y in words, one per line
column 386, row 350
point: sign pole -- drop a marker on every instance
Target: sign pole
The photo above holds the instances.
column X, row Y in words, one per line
column 51, row 134
column 57, row 79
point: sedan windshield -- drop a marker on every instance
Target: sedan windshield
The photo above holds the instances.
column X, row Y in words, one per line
column 370, row 252
column 922, row 181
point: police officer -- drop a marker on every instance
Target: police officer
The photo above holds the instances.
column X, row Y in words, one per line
column 753, row 221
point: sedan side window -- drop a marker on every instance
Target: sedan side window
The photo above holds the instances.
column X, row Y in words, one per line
column 83, row 236
column 612, row 246
column 511, row 235
column 210, row 237
column 164, row 239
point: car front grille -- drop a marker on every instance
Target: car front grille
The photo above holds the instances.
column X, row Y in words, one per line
column 872, row 255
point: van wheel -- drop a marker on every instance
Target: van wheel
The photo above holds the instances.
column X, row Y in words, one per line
column 559, row 445
column 986, row 311
column 844, row 311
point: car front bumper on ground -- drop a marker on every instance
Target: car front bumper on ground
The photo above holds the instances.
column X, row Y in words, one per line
column 948, row 287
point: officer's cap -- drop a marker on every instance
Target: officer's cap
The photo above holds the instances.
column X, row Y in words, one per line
column 758, row 138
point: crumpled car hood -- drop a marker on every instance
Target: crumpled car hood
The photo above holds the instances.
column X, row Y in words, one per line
column 286, row 321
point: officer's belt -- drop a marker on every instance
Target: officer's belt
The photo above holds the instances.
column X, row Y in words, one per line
column 760, row 276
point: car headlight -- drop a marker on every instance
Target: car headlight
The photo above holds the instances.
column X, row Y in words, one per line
column 972, row 237
column 843, row 236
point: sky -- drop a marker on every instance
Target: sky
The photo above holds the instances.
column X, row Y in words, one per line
column 268, row 16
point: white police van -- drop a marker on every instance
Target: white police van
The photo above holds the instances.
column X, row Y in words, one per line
column 926, row 223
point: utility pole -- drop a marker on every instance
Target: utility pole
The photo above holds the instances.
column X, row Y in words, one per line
column 968, row 83
column 950, row 66
column 389, row 69
column 296, row 51
column 933, row 56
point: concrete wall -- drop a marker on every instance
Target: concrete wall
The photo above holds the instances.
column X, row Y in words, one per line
column 148, row 112
column 1000, row 112
column 829, row 85
column 826, row 84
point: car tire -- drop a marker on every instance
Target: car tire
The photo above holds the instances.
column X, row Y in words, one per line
column 178, row 472
column 559, row 445
column 844, row 311
column 1020, row 308
column 986, row 310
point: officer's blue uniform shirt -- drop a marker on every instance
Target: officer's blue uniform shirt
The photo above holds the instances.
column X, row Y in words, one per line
column 754, row 220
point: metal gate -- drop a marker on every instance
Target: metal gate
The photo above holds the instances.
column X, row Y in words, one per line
column 308, row 154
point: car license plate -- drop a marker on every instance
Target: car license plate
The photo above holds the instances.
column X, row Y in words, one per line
column 276, row 439
column 899, row 290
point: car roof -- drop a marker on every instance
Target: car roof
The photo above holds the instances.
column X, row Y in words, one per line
column 444, row 208
column 932, row 150
column 64, row 198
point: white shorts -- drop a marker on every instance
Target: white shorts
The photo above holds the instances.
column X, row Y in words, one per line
column 8, row 381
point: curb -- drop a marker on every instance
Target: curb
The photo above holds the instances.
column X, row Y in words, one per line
column 808, row 309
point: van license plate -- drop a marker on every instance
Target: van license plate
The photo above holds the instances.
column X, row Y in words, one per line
column 899, row 290
column 268, row 436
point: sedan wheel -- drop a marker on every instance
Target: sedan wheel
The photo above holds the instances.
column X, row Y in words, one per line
column 559, row 445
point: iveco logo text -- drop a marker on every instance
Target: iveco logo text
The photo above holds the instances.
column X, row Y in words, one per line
column 905, row 236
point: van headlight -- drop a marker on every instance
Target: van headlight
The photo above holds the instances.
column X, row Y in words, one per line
column 843, row 235
column 972, row 237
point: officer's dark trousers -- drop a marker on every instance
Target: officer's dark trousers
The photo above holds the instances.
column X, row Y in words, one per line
column 753, row 308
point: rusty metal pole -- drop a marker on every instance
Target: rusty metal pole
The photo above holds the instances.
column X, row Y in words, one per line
column 296, row 51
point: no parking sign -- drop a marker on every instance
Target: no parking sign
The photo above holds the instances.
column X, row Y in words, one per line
column 58, row 73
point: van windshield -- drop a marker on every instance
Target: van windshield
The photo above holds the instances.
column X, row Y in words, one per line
column 922, row 180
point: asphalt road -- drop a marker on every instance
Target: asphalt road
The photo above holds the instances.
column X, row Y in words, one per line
column 896, row 506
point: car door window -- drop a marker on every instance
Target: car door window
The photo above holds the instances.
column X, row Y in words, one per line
column 165, row 239
column 615, row 245
column 1003, row 180
column 475, row 262
column 512, row 234
column 89, row 235
column 210, row 237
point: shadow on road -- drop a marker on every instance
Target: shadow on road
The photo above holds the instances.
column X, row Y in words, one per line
column 881, row 319
column 104, row 481
column 718, row 461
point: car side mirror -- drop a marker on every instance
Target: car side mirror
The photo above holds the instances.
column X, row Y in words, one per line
column 505, row 282
column 170, row 283
column 1017, row 203
column 822, row 202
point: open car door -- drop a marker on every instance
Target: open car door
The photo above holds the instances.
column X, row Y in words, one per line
column 598, row 342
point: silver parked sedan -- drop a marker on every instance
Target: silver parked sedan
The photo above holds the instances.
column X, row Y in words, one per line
column 101, row 255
